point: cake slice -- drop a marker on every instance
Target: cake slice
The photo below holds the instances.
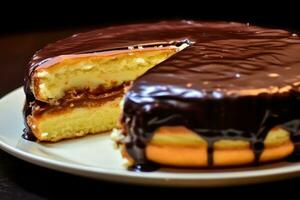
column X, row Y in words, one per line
column 80, row 94
column 74, row 86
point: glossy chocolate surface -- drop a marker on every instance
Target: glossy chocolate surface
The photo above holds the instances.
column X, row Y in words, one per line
column 234, row 81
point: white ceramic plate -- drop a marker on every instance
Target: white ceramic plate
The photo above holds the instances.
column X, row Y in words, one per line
column 95, row 157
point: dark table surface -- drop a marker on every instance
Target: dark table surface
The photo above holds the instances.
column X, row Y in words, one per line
column 22, row 180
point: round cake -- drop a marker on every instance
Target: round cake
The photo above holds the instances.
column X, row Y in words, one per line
column 188, row 93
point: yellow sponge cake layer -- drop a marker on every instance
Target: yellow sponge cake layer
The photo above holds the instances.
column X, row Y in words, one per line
column 53, row 79
column 76, row 121
column 181, row 147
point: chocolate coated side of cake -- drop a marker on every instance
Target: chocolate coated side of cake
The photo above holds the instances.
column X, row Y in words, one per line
column 234, row 82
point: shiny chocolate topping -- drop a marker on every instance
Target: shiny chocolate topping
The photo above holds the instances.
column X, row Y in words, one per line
column 235, row 82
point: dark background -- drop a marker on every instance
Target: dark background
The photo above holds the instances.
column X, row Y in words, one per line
column 41, row 15
column 24, row 28
column 28, row 26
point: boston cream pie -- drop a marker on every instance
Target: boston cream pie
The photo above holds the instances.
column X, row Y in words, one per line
column 198, row 94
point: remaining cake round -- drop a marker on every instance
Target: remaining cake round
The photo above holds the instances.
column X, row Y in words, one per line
column 211, row 93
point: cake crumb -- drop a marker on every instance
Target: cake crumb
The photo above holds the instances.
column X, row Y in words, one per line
column 42, row 74
column 126, row 163
column 140, row 60
column 116, row 135
column 44, row 134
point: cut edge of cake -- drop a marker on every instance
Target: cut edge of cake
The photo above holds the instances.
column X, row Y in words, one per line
column 75, row 93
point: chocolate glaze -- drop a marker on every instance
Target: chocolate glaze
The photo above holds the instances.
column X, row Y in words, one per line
column 235, row 81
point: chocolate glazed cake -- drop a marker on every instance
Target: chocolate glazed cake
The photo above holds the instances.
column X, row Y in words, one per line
column 221, row 94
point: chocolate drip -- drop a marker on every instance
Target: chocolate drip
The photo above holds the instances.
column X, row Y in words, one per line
column 213, row 125
column 27, row 110
column 145, row 167
column 28, row 135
